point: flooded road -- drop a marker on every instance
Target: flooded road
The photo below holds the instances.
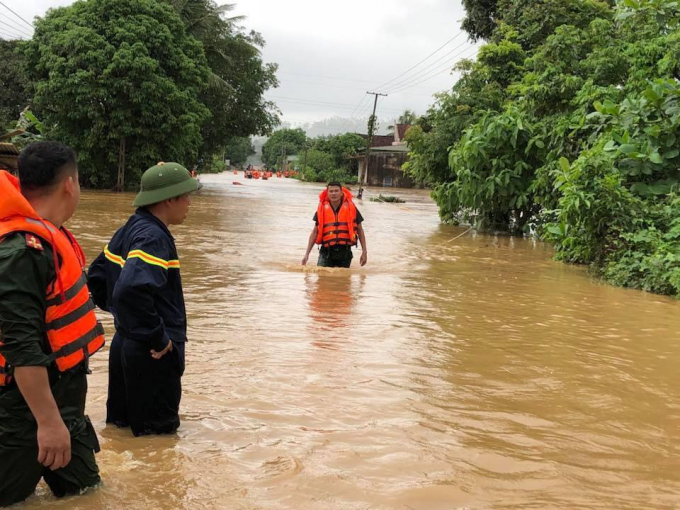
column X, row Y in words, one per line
column 475, row 373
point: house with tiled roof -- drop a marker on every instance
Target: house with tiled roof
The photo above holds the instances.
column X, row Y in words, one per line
column 387, row 156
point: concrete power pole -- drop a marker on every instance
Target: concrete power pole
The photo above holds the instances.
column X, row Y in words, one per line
column 371, row 131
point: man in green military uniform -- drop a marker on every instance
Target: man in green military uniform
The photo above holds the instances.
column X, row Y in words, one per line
column 44, row 432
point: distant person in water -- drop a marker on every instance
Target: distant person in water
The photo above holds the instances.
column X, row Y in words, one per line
column 338, row 227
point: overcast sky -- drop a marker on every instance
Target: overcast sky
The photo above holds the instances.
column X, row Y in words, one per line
column 330, row 53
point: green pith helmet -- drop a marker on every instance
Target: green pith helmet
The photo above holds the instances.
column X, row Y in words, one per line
column 164, row 181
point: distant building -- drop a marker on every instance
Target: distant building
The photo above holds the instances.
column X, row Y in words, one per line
column 388, row 154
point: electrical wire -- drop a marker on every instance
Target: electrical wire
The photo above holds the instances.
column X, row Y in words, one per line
column 423, row 60
column 22, row 19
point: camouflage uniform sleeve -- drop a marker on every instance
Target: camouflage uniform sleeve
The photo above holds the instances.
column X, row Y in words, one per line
column 25, row 274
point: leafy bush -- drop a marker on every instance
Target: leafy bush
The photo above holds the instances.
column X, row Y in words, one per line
column 338, row 174
column 214, row 166
column 308, row 174
column 567, row 124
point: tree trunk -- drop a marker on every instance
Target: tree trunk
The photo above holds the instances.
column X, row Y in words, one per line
column 120, row 184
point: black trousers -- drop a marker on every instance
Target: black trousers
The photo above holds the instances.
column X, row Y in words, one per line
column 144, row 393
column 335, row 256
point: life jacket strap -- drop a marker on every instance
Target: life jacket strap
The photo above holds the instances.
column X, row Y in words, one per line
column 69, row 318
column 71, row 292
column 80, row 343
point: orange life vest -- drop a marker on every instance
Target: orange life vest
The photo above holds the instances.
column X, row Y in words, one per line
column 71, row 326
column 336, row 228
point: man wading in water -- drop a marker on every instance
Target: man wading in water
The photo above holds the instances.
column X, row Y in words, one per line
column 338, row 225
column 48, row 330
column 137, row 279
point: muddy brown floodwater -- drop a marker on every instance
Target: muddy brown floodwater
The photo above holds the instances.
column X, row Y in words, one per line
column 474, row 374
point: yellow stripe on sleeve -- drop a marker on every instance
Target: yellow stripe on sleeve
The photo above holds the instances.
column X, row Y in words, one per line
column 142, row 255
column 120, row 261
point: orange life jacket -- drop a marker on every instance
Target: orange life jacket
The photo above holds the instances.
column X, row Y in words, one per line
column 71, row 326
column 336, row 228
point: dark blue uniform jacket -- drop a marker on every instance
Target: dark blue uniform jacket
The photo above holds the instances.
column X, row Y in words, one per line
column 137, row 279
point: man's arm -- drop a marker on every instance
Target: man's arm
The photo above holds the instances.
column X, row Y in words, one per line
column 364, row 248
column 96, row 282
column 133, row 299
column 24, row 276
column 310, row 244
column 54, row 439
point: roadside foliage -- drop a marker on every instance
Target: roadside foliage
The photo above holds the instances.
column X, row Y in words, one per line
column 566, row 125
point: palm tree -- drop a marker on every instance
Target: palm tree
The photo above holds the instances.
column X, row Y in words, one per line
column 206, row 22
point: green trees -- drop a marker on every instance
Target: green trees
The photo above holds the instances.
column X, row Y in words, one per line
column 481, row 18
column 15, row 87
column 329, row 158
column 130, row 83
column 238, row 149
column 319, row 159
column 568, row 122
column 120, row 82
column 290, row 140
column 340, row 147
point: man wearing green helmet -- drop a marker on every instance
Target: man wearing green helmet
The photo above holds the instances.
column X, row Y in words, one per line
column 137, row 279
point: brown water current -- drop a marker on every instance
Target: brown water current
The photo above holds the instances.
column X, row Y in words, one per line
column 475, row 373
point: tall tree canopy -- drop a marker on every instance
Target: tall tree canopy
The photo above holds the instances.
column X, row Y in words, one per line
column 480, row 20
column 238, row 149
column 292, row 140
column 118, row 79
column 15, row 87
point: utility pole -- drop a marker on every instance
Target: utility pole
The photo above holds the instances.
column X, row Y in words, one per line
column 304, row 161
column 369, row 144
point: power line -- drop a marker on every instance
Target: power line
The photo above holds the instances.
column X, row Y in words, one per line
column 351, row 115
column 347, row 106
column 313, row 105
column 317, row 105
column 423, row 60
column 325, row 85
column 9, row 37
column 285, row 81
column 359, row 116
column 426, row 79
column 425, row 71
column 310, row 125
column 440, row 70
column 16, row 29
column 14, row 26
column 22, row 19
column 325, row 77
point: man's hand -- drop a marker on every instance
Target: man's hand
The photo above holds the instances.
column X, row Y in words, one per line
column 159, row 355
column 364, row 258
column 54, row 440
column 305, row 259
column 54, row 444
